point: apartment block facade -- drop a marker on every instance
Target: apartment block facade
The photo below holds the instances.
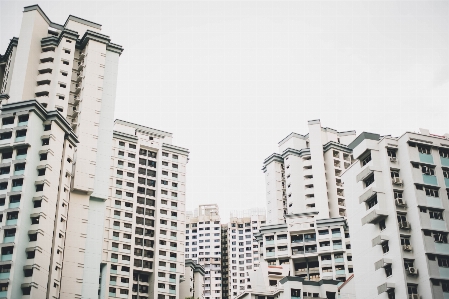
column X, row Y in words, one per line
column 243, row 252
column 397, row 194
column 144, row 228
column 57, row 89
column 192, row 284
column 306, row 207
column 203, row 245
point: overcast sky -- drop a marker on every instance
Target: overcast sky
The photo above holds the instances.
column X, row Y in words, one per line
column 231, row 79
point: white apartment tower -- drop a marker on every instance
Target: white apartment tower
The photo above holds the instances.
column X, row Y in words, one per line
column 306, row 209
column 203, row 245
column 57, row 89
column 143, row 239
column 397, row 204
column 242, row 248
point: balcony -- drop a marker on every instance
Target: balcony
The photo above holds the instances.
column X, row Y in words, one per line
column 444, row 161
column 4, row 275
column 425, row 158
column 429, row 179
column 112, row 294
column 13, row 205
column 16, row 188
column 270, row 254
column 9, row 239
column 172, row 269
column 6, row 257
column 438, row 224
column 337, row 246
column 113, row 271
column 339, row 260
column 271, row 242
column 11, row 222
column 340, row 272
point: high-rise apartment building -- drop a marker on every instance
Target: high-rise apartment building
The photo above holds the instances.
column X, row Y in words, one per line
column 203, row 245
column 243, row 252
column 224, row 261
column 57, row 89
column 306, row 209
column 144, row 230
column 397, row 204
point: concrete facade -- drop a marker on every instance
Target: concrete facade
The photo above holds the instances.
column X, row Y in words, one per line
column 192, row 286
column 398, row 215
column 306, row 209
column 144, row 226
column 58, row 92
column 203, row 245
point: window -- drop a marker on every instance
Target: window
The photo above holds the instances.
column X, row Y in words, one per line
column 431, row 192
column 366, row 160
column 424, row 149
column 385, row 247
column 371, row 202
column 175, row 165
column 391, row 153
column 5, row 135
column 412, row 289
column 438, row 215
column 369, row 180
column 427, row 170
column 8, row 121
column 382, row 225
column 443, row 262
column 405, row 240
column 394, row 174
column 133, row 146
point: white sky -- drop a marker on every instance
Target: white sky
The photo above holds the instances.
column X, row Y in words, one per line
column 231, row 79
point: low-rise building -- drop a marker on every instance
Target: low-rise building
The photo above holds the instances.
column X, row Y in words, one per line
column 278, row 284
column 193, row 280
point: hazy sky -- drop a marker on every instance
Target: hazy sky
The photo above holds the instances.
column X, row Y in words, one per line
column 230, row 79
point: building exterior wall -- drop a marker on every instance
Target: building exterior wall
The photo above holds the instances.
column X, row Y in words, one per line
column 388, row 235
column 144, row 228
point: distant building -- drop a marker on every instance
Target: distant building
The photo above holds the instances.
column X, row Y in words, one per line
column 243, row 252
column 203, row 245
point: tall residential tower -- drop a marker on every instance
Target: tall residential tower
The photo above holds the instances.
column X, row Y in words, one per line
column 397, row 204
column 203, row 245
column 144, row 228
column 57, row 89
column 306, row 207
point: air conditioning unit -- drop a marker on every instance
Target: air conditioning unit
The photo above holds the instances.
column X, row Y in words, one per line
column 412, row 271
column 393, row 159
column 397, row 181
column 407, row 247
column 404, row 225
column 400, row 202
